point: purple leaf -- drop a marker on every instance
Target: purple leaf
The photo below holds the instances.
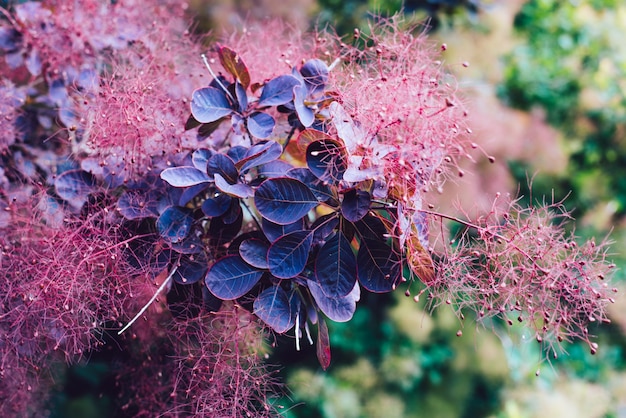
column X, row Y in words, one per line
column 239, row 189
column 335, row 267
column 273, row 307
column 283, row 200
column 254, row 252
column 355, row 205
column 260, row 154
column 338, row 309
column 174, row 224
column 287, row 256
column 209, row 104
column 379, row 267
column 278, row 91
column 231, row 277
column 184, row 176
column 260, row 125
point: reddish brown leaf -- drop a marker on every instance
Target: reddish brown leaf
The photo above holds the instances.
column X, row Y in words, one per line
column 231, row 61
column 323, row 344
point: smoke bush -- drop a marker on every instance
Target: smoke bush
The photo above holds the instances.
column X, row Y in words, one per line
column 268, row 190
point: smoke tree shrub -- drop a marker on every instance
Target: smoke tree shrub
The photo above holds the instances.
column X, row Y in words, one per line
column 269, row 189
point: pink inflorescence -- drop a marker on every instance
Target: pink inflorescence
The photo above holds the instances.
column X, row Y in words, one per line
column 523, row 267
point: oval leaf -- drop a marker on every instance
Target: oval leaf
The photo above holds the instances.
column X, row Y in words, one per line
column 174, row 224
column 311, row 135
column 254, row 252
column 239, row 189
column 283, row 200
column 306, row 116
column 327, row 160
column 321, row 190
column 288, row 255
column 232, row 62
column 274, row 231
column 137, row 204
column 323, row 344
column 217, row 205
column 184, row 176
column 74, row 186
column 224, row 166
column 190, row 271
column 315, row 74
column 260, row 154
column 200, row 158
column 273, row 307
column 278, row 90
column 355, row 204
column 209, row 104
column 379, row 267
column 231, row 277
column 260, row 125
column 335, row 267
column 338, row 309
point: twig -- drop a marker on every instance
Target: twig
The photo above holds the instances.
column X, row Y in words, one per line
column 152, row 299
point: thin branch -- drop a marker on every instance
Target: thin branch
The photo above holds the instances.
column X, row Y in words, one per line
column 208, row 66
column 152, row 299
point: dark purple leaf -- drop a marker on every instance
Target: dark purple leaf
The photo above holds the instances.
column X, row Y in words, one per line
column 223, row 165
column 324, row 226
column 192, row 244
column 260, row 154
column 242, row 97
column 288, row 255
column 327, row 160
column 274, row 231
column 207, row 129
column 335, row 267
column 371, row 227
column 137, row 204
column 323, row 344
column 221, row 232
column 278, row 90
column 209, row 104
column 216, row 205
column 315, row 74
column 355, row 204
column 230, row 277
column 74, row 186
column 210, row 302
column 338, row 309
column 190, row 270
column 379, row 267
column 233, row 213
column 174, row 224
column 254, row 252
column 191, row 123
column 273, row 307
column 184, row 176
column 306, row 116
column 239, row 189
column 276, row 168
column 260, row 125
column 200, row 158
column 283, row 200
column 191, row 192
column 237, row 153
column 322, row 191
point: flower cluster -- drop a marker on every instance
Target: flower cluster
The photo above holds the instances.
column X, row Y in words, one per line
column 256, row 192
column 520, row 265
